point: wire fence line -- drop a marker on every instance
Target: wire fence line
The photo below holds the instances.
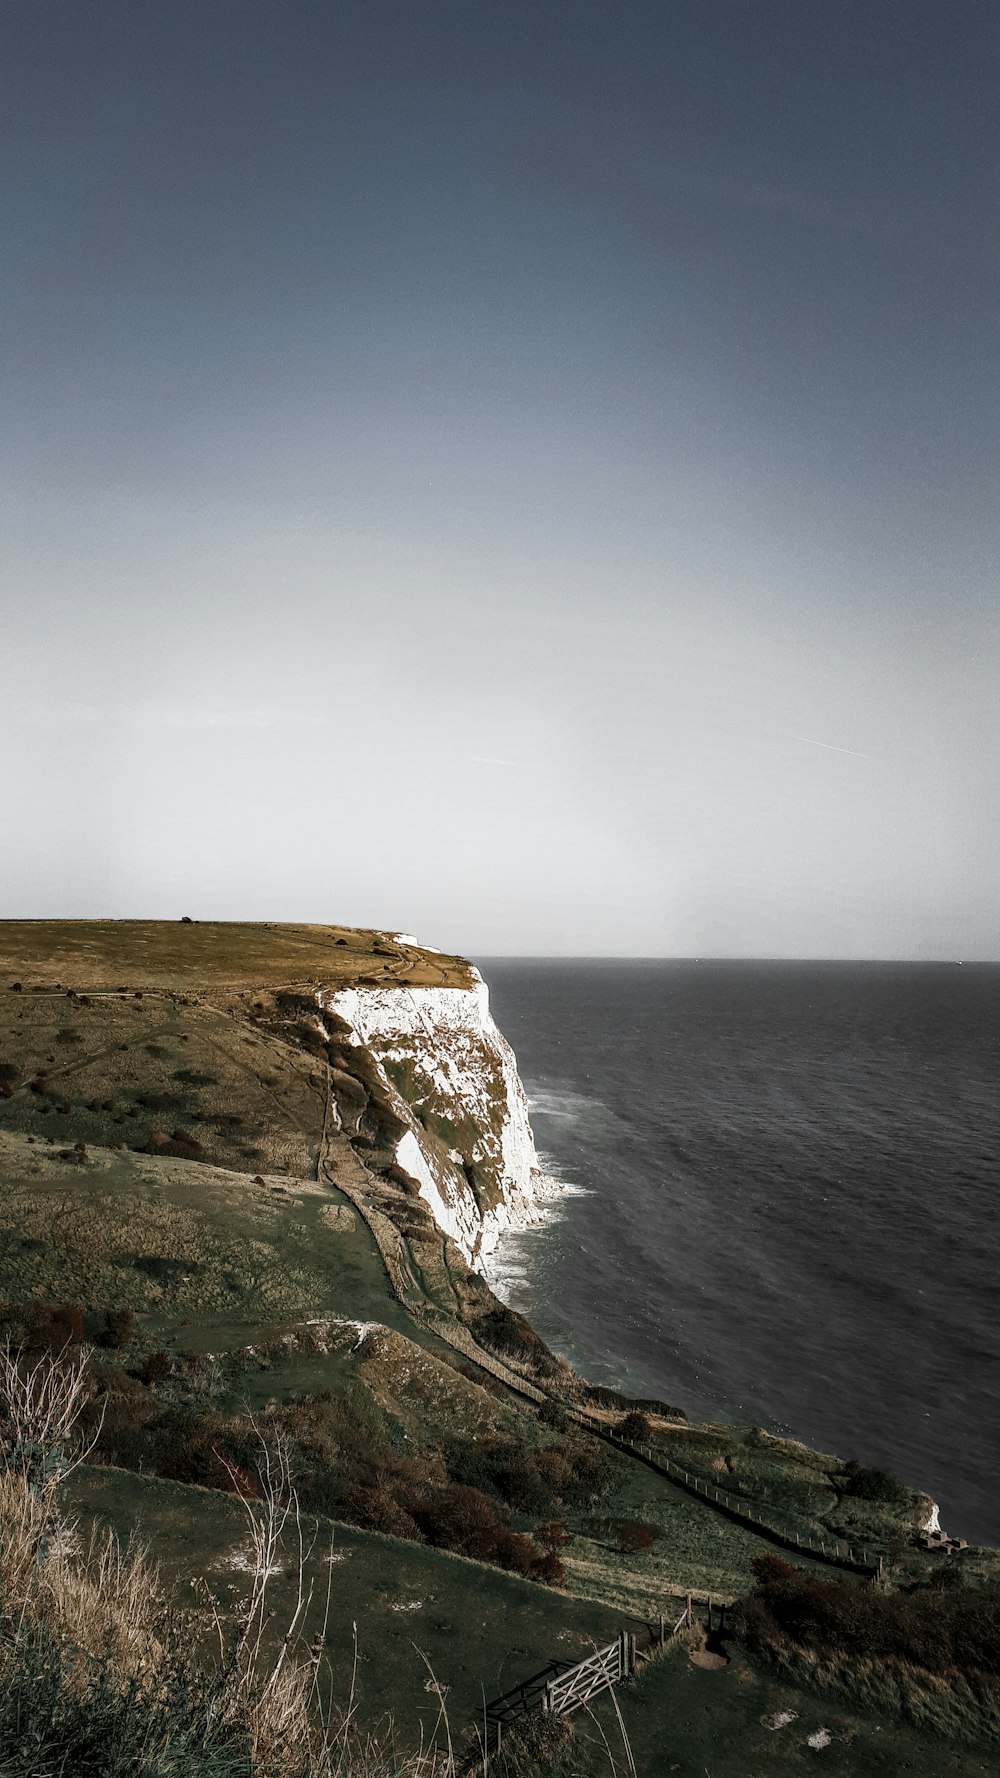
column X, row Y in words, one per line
column 830, row 1550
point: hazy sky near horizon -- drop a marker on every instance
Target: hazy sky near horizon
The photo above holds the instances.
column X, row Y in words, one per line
column 519, row 471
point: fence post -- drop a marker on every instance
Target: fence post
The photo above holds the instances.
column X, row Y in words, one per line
column 661, row 1629
column 689, row 1615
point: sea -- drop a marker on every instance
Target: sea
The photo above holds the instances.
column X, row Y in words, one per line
column 778, row 1204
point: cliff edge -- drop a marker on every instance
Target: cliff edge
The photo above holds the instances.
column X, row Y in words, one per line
column 451, row 1079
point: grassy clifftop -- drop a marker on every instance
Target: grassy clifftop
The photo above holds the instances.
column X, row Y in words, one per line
column 106, row 954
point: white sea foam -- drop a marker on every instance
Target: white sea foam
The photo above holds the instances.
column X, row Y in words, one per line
column 503, row 1268
column 545, row 1102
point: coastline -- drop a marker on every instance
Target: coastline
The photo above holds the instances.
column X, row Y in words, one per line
column 753, row 1139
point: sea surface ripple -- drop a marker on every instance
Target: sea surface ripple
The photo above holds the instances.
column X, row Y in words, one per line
column 786, row 1206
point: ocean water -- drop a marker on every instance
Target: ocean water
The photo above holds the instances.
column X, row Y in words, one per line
column 784, row 1204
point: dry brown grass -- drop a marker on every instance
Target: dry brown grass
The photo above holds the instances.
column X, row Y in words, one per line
column 167, row 954
column 98, row 1674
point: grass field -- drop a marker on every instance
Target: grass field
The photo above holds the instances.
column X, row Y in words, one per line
column 424, row 1616
column 106, row 955
column 480, row 1630
column 183, row 1243
column 698, row 1723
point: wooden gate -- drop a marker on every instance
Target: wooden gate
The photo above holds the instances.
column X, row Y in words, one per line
column 606, row 1666
column 565, row 1686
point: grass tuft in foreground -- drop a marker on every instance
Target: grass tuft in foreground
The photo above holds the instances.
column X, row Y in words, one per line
column 100, row 1678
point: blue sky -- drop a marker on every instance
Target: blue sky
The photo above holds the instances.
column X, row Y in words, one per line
column 524, row 474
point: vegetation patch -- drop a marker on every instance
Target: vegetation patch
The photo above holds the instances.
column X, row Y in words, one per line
column 934, row 1650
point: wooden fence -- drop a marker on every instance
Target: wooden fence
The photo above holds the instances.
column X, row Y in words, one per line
column 605, row 1667
column 566, row 1686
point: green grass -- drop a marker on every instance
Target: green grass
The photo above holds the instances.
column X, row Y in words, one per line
column 142, row 1068
column 182, row 1242
column 691, row 1722
column 481, row 1630
column 799, row 1488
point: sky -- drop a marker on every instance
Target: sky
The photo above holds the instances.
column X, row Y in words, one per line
column 520, row 473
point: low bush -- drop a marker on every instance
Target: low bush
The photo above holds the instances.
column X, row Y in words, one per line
column 118, row 1330
column 548, row 1568
column 485, row 1379
column 573, row 1472
column 552, row 1413
column 504, row 1331
column 943, row 1632
column 156, row 1367
column 598, row 1395
column 864, row 1483
column 634, row 1537
column 552, row 1537
column 635, row 1427
column 51, row 1329
column 538, row 1746
column 376, row 1510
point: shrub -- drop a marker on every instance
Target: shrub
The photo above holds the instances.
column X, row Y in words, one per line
column 552, row 1536
column 537, row 1746
column 549, row 1569
column 635, row 1426
column 156, row 1367
column 768, row 1569
column 375, row 1510
column 202, row 1449
column 485, row 1379
column 54, row 1329
column 516, row 1552
column 552, row 1413
column 634, row 1536
column 505, row 1331
column 943, row 1632
column 863, row 1483
column 463, row 1519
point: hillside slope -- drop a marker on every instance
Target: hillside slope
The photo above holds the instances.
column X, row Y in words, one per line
column 252, row 1169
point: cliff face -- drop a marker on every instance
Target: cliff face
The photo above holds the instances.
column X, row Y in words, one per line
column 451, row 1079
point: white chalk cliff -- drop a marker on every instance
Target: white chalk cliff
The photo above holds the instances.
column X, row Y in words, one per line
column 451, row 1077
